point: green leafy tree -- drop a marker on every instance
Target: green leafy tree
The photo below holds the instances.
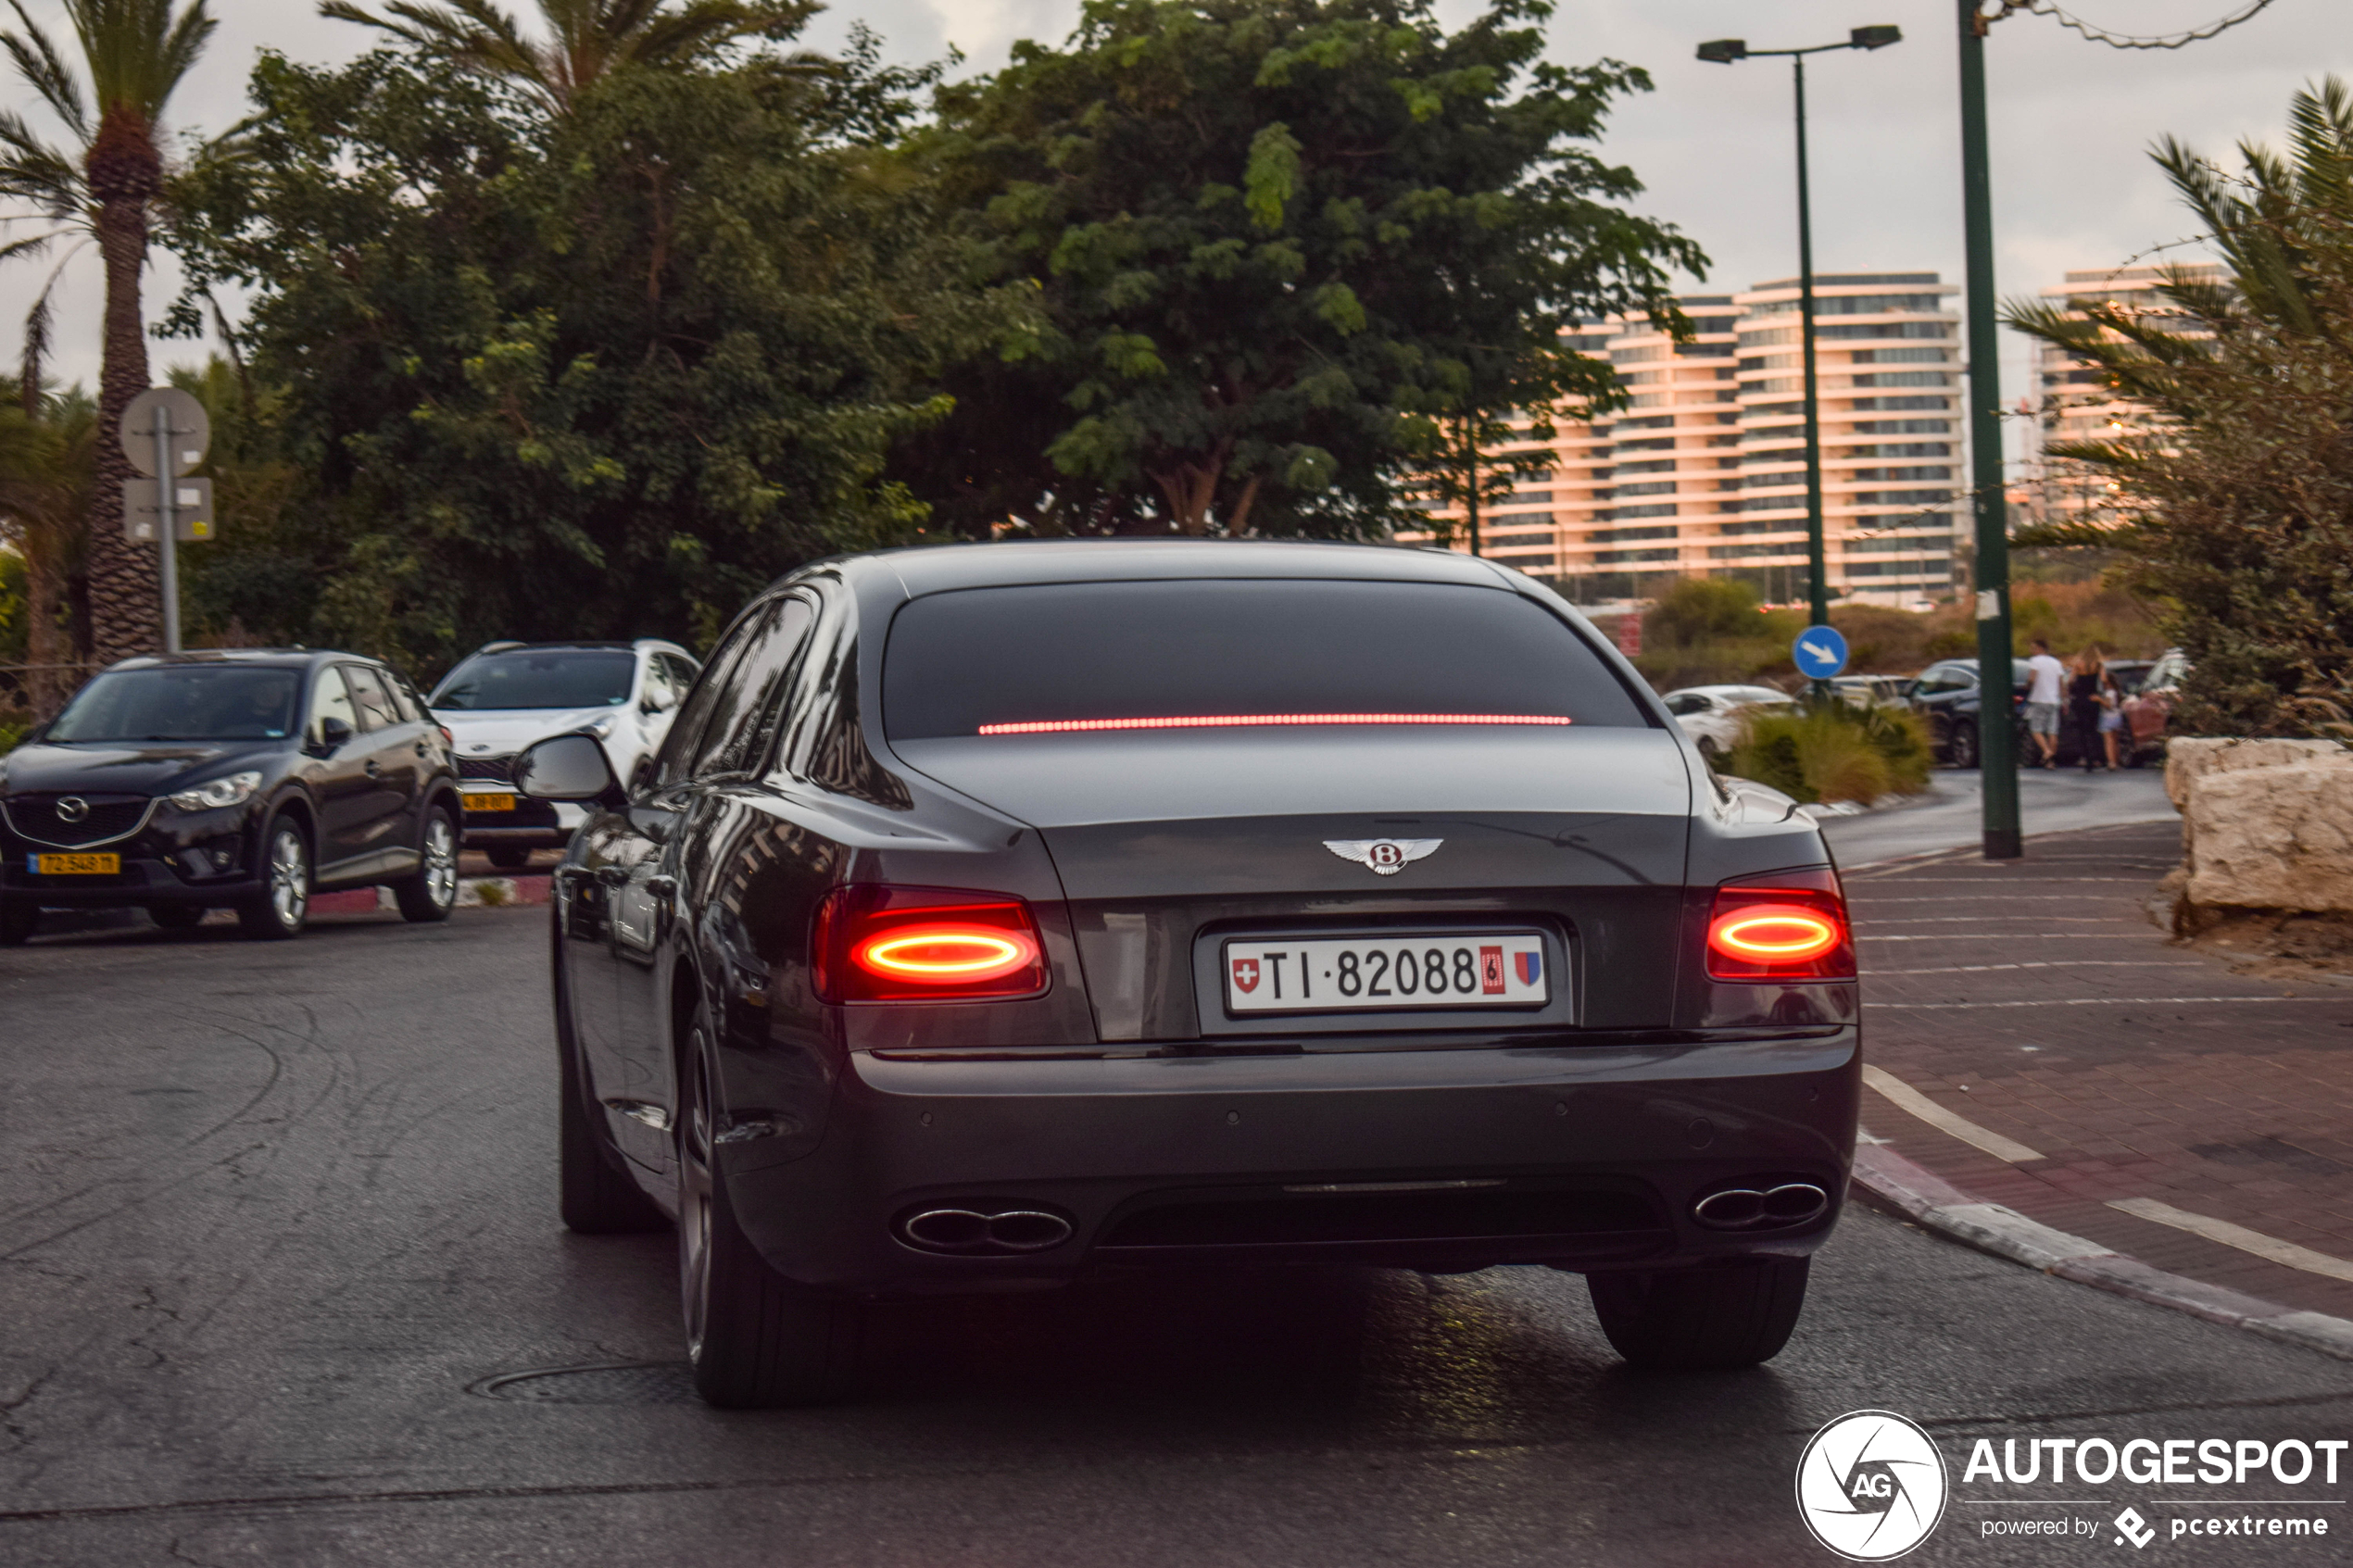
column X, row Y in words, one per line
column 2235, row 504
column 109, row 185
column 1278, row 246
column 600, row 373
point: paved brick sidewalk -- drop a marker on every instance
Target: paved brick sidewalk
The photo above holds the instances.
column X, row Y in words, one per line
column 2037, row 1002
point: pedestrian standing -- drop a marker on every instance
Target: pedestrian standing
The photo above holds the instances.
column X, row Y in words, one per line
column 2083, row 700
column 2045, row 675
column 2112, row 716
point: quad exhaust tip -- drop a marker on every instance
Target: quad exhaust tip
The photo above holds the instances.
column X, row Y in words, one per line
column 1761, row 1204
column 982, row 1231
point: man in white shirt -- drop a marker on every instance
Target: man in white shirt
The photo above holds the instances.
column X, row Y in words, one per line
column 2045, row 675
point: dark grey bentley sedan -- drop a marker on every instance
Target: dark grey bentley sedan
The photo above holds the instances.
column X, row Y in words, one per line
column 997, row 914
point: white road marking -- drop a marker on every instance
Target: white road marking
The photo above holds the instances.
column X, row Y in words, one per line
column 2229, row 1234
column 2101, row 1002
column 2014, row 935
column 1910, row 1098
column 2077, row 963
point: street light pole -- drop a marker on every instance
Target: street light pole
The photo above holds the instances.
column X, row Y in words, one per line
column 1817, row 548
column 1725, row 51
column 1996, row 735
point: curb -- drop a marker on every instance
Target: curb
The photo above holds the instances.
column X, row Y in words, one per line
column 473, row 893
column 1890, row 1182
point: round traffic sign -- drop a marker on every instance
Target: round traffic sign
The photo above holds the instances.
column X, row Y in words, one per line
column 185, row 424
column 1820, row 651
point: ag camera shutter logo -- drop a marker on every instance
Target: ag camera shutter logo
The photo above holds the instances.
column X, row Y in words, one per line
column 1871, row 1485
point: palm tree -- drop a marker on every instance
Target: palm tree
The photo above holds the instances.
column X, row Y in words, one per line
column 108, row 187
column 2268, row 221
column 587, row 38
column 47, row 447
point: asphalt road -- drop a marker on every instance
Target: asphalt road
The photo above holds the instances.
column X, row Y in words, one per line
column 1951, row 815
column 272, row 1215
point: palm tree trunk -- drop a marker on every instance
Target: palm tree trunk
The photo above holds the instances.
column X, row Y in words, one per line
column 125, row 174
column 124, row 575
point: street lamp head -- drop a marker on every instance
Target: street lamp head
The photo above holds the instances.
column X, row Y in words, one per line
column 1724, row 50
column 1875, row 37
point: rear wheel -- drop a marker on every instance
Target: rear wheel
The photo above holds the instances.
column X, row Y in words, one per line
column 283, row 907
column 508, row 858
column 1962, row 745
column 756, row 1340
column 18, row 922
column 433, row 891
column 596, row 1192
column 176, row 917
column 1704, row 1319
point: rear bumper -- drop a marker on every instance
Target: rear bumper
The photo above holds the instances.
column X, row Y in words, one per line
column 1198, row 1159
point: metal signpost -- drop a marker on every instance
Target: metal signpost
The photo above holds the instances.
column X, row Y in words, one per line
column 166, row 432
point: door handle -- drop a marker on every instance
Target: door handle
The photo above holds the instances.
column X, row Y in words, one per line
column 422, row 749
column 373, row 768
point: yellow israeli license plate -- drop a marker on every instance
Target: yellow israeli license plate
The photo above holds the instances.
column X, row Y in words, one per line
column 501, row 802
column 77, row 865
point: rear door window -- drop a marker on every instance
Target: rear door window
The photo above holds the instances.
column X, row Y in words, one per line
column 376, row 708
column 1124, row 655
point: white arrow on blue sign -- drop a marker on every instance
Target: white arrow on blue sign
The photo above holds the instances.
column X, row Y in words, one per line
column 1820, row 652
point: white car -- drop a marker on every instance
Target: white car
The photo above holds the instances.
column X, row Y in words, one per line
column 505, row 696
column 1712, row 715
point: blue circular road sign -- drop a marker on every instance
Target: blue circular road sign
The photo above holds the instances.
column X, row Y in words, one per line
column 1820, row 652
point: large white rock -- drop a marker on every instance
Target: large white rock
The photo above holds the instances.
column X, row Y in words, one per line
column 2188, row 761
column 2276, row 836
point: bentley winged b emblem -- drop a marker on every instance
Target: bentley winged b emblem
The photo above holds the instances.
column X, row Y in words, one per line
column 1387, row 857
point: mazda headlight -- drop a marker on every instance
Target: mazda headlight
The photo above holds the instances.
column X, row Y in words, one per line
column 234, row 790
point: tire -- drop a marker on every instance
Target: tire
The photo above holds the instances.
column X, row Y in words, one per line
column 596, row 1195
column 506, row 857
column 756, row 1341
column 18, row 922
column 176, row 917
column 433, row 891
column 1704, row 1319
column 281, row 911
column 1961, row 746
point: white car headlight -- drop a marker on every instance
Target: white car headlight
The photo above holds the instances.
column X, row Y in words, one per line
column 234, row 790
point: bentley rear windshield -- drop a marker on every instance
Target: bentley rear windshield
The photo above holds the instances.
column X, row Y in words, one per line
column 1237, row 653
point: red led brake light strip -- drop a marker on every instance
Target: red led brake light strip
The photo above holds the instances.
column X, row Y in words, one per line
column 1248, row 721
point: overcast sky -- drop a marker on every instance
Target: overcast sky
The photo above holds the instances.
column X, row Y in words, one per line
column 2071, row 123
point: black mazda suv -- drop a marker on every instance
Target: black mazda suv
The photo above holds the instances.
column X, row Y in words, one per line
column 998, row 914
column 243, row 780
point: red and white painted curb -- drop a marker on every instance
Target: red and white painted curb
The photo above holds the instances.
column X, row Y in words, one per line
column 1891, row 1182
column 473, row 893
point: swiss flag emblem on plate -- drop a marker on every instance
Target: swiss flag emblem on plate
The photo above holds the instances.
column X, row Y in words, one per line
column 1245, row 975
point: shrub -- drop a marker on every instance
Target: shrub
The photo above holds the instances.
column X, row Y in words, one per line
column 1834, row 752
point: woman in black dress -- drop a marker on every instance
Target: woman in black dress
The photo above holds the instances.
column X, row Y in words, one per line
column 2083, row 702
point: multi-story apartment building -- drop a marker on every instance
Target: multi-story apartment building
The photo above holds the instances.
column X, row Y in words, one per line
column 2069, row 403
column 1703, row 474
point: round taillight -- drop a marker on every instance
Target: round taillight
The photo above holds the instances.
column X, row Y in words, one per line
column 1773, row 933
column 946, row 955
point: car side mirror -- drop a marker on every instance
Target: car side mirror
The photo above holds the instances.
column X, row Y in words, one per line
column 571, row 768
column 332, row 732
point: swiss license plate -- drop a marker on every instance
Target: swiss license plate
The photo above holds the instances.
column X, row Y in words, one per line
column 77, row 865
column 483, row 802
column 1405, row 970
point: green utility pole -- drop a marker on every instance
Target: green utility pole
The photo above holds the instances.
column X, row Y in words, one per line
column 1996, row 732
